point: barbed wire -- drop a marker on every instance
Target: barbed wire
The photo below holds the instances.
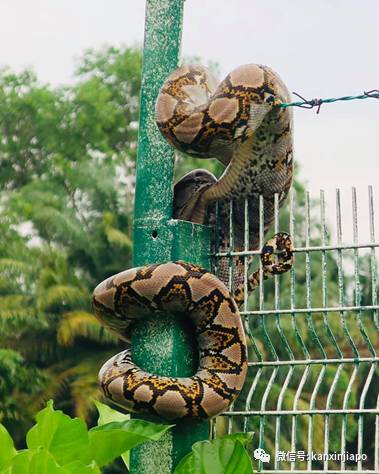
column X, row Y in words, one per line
column 310, row 104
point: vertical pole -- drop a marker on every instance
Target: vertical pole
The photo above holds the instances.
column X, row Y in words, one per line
column 164, row 345
column 153, row 200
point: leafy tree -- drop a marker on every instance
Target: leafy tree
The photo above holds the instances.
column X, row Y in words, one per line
column 66, row 162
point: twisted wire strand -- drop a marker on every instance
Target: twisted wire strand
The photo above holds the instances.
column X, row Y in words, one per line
column 311, row 103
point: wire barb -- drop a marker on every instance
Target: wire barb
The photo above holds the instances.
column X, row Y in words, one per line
column 310, row 104
column 374, row 93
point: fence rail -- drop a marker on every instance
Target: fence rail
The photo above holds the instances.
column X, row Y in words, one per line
column 313, row 381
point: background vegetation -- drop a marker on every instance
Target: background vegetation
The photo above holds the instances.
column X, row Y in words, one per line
column 66, row 173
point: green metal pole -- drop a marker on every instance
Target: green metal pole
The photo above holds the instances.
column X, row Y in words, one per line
column 164, row 345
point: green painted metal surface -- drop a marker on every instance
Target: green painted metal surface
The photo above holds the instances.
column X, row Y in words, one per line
column 313, row 337
column 163, row 345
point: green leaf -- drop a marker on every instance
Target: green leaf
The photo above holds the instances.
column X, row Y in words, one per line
column 111, row 440
column 244, row 438
column 220, row 456
column 66, row 438
column 7, row 449
column 78, row 467
column 34, row 462
column 19, row 464
column 107, row 415
column 42, row 462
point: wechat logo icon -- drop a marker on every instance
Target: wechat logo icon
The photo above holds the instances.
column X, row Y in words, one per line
column 261, row 455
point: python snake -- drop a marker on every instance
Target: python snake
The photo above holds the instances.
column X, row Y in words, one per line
column 237, row 122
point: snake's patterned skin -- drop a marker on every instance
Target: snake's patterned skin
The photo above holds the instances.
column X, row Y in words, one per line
column 280, row 244
column 238, row 123
column 178, row 286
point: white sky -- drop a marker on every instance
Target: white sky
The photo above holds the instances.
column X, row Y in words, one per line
column 321, row 48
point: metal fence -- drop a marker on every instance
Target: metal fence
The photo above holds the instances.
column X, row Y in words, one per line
column 311, row 395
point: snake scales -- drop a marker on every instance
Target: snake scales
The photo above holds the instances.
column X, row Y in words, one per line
column 237, row 122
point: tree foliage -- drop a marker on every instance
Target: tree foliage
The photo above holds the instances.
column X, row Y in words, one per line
column 66, row 165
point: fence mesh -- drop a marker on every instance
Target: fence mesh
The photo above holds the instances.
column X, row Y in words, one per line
column 311, row 394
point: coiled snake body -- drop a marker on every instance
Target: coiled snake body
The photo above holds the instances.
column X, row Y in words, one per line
column 239, row 123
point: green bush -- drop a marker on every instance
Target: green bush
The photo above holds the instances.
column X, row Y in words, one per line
column 59, row 444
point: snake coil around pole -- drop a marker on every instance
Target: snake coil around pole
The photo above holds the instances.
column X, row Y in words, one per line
column 239, row 123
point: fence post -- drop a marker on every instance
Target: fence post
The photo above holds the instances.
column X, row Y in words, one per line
column 164, row 345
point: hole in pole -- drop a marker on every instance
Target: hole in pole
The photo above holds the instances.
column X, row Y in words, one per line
column 154, row 234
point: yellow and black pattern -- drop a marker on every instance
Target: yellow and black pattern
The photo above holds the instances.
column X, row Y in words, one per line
column 181, row 287
column 281, row 245
column 238, row 123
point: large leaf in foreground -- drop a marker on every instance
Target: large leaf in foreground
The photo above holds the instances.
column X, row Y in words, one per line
column 221, row 456
column 112, row 439
column 107, row 415
column 64, row 437
column 34, row 462
column 7, row 449
column 78, row 467
column 40, row 461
